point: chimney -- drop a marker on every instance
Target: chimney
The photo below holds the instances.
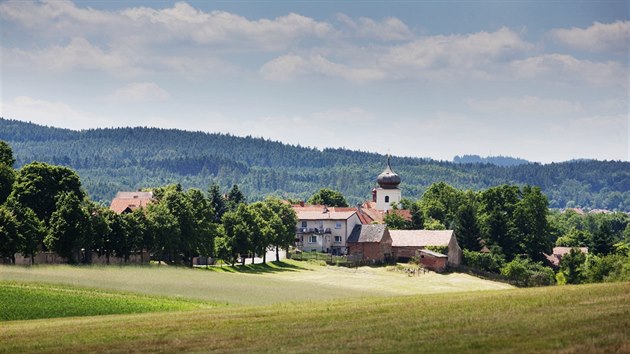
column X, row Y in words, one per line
column 374, row 195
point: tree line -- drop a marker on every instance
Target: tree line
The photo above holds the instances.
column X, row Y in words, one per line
column 516, row 230
column 44, row 208
column 127, row 158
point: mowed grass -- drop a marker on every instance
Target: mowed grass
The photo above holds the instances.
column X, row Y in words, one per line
column 24, row 301
column 280, row 282
column 567, row 319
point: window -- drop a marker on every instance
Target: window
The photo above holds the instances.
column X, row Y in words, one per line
column 386, row 199
column 338, row 225
column 337, row 239
column 304, row 224
column 312, row 239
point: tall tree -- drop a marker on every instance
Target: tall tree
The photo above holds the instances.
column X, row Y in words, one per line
column 6, row 154
column 467, row 228
column 328, row 197
column 30, row 229
column 164, row 228
column 530, row 222
column 497, row 209
column 216, row 202
column 238, row 231
column 38, row 186
column 602, row 239
column 9, row 241
column 67, row 228
column 235, row 198
column 204, row 229
column 285, row 234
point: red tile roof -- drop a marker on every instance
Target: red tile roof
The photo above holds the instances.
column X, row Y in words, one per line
column 130, row 200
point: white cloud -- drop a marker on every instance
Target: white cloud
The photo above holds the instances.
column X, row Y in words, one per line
column 139, row 92
column 77, row 54
column 388, row 29
column 566, row 68
column 289, row 67
column 52, row 113
column 528, row 106
column 599, row 37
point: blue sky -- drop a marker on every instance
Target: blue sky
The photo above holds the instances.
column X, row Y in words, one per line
column 542, row 80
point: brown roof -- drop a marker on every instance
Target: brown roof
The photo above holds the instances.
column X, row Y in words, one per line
column 559, row 252
column 367, row 233
column 130, row 200
column 420, row 238
column 369, row 214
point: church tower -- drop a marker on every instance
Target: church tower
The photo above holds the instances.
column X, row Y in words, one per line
column 388, row 192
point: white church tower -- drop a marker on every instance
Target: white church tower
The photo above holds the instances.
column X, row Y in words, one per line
column 388, row 192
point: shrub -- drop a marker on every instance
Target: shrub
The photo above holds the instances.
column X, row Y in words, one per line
column 489, row 262
column 527, row 273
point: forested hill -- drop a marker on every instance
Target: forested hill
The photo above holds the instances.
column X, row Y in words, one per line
column 109, row 160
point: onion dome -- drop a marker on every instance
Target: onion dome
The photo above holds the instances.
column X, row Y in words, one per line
column 388, row 179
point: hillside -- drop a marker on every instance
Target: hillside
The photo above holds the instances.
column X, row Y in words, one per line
column 109, row 160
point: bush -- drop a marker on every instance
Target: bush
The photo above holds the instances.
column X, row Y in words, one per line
column 488, row 262
column 527, row 273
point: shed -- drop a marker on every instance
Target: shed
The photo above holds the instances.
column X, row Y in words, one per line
column 406, row 243
column 433, row 260
column 370, row 243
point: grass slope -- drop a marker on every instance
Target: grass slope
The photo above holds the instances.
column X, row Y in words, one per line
column 259, row 285
column 24, row 301
column 586, row 318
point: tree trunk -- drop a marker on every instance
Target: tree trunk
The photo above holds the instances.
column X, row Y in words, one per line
column 277, row 254
column 253, row 255
column 265, row 257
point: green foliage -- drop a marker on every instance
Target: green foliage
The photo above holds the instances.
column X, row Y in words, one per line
column 527, row 273
column 488, row 262
column 39, row 185
column 467, row 228
column 30, row 230
column 328, row 197
column 395, row 221
column 68, row 227
column 9, row 242
column 6, row 154
column 572, row 265
column 433, row 224
column 7, row 177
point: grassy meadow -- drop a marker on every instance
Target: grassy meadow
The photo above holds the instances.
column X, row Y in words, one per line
column 287, row 281
column 301, row 307
column 24, row 301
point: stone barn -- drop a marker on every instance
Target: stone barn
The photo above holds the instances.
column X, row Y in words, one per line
column 370, row 243
column 407, row 243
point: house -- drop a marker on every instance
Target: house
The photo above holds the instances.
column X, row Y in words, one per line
column 126, row 202
column 407, row 243
column 370, row 243
column 558, row 252
column 324, row 229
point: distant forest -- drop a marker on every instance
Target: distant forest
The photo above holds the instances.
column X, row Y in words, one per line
column 111, row 160
column 495, row 160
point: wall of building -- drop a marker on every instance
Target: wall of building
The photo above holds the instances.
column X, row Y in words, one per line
column 437, row 264
column 368, row 251
column 395, row 195
column 326, row 242
column 454, row 252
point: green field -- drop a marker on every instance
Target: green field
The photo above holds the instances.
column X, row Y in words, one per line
column 348, row 310
column 24, row 301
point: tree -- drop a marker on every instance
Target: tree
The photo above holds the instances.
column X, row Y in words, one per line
column 602, row 239
column 164, row 228
column 99, row 229
column 285, row 234
column 141, row 237
column 530, row 222
column 38, row 186
column 30, row 230
column 440, row 202
column 9, row 241
column 216, row 202
column 7, row 177
column 264, row 229
column 497, row 223
column 6, row 154
column 67, row 228
column 237, row 226
column 204, row 230
column 223, row 250
column 467, row 228
column 234, row 198
column 328, row 197
column 417, row 217
column 572, row 266
column 395, row 221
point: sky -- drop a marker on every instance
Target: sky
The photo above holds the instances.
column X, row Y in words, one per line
column 542, row 80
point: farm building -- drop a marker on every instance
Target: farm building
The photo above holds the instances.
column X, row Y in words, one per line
column 370, row 243
column 432, row 260
column 558, row 252
column 126, row 202
column 406, row 243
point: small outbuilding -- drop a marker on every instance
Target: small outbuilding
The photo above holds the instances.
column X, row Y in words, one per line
column 370, row 243
column 433, row 260
column 407, row 243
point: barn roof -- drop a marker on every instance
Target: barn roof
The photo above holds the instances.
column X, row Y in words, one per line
column 130, row 200
column 434, row 254
column 420, row 238
column 368, row 233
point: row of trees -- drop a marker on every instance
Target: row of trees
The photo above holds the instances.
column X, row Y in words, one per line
column 43, row 207
column 122, row 158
